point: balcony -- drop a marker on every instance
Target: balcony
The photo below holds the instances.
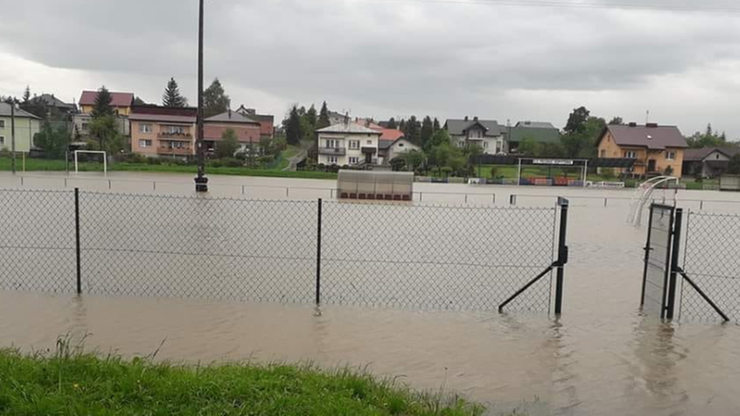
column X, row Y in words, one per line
column 371, row 150
column 332, row 151
column 176, row 151
column 175, row 136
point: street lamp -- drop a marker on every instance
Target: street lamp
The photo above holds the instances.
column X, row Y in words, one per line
column 201, row 181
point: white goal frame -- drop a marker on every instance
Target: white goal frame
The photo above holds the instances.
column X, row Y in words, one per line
column 98, row 152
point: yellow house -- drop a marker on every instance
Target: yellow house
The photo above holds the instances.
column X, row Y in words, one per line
column 656, row 149
column 120, row 101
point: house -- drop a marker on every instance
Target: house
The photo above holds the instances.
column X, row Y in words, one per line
column 657, row 149
column 26, row 127
column 708, row 162
column 248, row 130
column 336, row 118
column 538, row 131
column 51, row 102
column 348, row 144
column 400, row 146
column 387, row 138
column 267, row 122
column 120, row 101
column 81, row 124
column 163, row 131
column 487, row 134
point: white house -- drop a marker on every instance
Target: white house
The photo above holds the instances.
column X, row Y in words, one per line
column 26, row 127
column 348, row 144
column 487, row 134
column 399, row 147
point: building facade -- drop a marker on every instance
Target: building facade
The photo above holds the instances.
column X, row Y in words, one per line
column 26, row 127
column 266, row 121
column 708, row 162
column 348, row 144
column 657, row 150
column 487, row 134
column 248, row 131
column 163, row 131
column 120, row 101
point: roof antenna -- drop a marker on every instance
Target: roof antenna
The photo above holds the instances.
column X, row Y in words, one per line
column 647, row 117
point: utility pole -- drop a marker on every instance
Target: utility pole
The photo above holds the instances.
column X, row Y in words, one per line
column 201, row 181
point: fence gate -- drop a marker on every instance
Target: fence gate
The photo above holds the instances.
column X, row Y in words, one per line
column 662, row 272
column 658, row 282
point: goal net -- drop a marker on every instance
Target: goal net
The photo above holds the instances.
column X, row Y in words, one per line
column 92, row 160
column 655, row 190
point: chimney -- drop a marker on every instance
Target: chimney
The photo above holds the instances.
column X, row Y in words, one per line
column 466, row 118
column 652, row 125
column 229, row 113
column 633, row 124
column 475, row 118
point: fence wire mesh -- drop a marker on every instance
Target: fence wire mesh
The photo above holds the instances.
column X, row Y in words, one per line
column 436, row 257
column 198, row 247
column 712, row 261
column 397, row 255
column 37, row 241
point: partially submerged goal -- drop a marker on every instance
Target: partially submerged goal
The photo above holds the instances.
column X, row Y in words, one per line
column 381, row 185
column 94, row 152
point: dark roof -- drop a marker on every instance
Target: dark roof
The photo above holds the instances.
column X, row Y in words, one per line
column 535, row 124
column 252, row 113
column 457, row 127
column 5, row 111
column 385, row 144
column 232, row 117
column 697, row 155
column 52, row 101
column 651, row 136
column 166, row 114
column 118, row 99
column 538, row 134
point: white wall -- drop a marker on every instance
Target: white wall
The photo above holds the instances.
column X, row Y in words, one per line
column 400, row 147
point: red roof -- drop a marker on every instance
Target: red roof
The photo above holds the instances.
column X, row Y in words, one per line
column 119, row 99
column 391, row 134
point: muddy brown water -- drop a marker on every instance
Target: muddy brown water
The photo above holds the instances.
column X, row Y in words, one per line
column 601, row 357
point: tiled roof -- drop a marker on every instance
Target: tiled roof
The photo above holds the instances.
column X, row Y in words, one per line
column 697, row 155
column 166, row 118
column 232, row 117
column 652, row 136
column 350, row 128
column 118, row 99
column 535, row 124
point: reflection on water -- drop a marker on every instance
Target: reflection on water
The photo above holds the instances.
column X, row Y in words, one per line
column 601, row 357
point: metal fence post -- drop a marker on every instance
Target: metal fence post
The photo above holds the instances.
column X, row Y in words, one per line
column 318, row 256
column 562, row 255
column 671, row 302
column 77, row 240
column 647, row 256
column 512, row 199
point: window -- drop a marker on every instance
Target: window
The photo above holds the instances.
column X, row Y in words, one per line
column 485, row 145
column 145, row 128
column 353, row 160
column 400, row 144
column 369, row 142
column 332, row 144
column 173, row 129
column 145, row 143
column 84, row 126
column 2, row 140
column 603, row 153
column 354, row 144
column 670, row 155
column 333, row 160
column 2, row 124
column 630, row 154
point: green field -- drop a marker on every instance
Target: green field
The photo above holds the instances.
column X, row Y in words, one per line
column 70, row 383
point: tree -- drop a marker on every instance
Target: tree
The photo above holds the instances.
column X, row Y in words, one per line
column 581, row 142
column 172, row 96
column 139, row 101
column 27, row 94
column 439, row 138
column 576, row 120
column 414, row 159
column 707, row 139
column 392, row 123
column 436, row 125
column 54, row 141
column 427, row 130
column 528, row 147
column 616, row 121
column 323, row 120
column 102, row 107
column 402, row 125
column 105, row 129
column 312, row 117
column 733, row 168
column 215, row 100
column 293, row 126
column 228, row 145
column 412, row 131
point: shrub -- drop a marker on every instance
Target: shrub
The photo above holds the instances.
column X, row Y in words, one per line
column 446, row 170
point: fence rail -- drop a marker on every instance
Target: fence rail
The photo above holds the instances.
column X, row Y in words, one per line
column 383, row 254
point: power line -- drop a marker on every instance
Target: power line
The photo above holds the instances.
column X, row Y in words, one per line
column 568, row 5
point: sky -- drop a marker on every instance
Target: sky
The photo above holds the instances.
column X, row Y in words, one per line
column 496, row 59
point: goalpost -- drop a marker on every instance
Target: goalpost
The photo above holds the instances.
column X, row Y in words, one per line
column 98, row 152
column 580, row 165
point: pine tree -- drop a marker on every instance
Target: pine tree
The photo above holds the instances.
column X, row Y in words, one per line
column 412, row 132
column 139, row 101
column 402, row 125
column 172, row 96
column 323, row 117
column 102, row 105
column 27, row 94
column 215, row 100
column 293, row 127
column 427, row 130
column 436, row 125
column 392, row 123
column 312, row 117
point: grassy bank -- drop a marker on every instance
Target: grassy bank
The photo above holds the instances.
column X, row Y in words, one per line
column 44, row 165
column 81, row 384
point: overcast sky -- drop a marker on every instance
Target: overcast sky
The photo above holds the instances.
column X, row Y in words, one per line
column 383, row 58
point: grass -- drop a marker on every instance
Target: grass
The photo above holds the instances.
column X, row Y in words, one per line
column 75, row 383
column 59, row 165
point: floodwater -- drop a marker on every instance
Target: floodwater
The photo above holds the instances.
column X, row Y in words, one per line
column 601, row 357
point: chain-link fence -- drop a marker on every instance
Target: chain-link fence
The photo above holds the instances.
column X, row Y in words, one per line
column 385, row 254
column 712, row 261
